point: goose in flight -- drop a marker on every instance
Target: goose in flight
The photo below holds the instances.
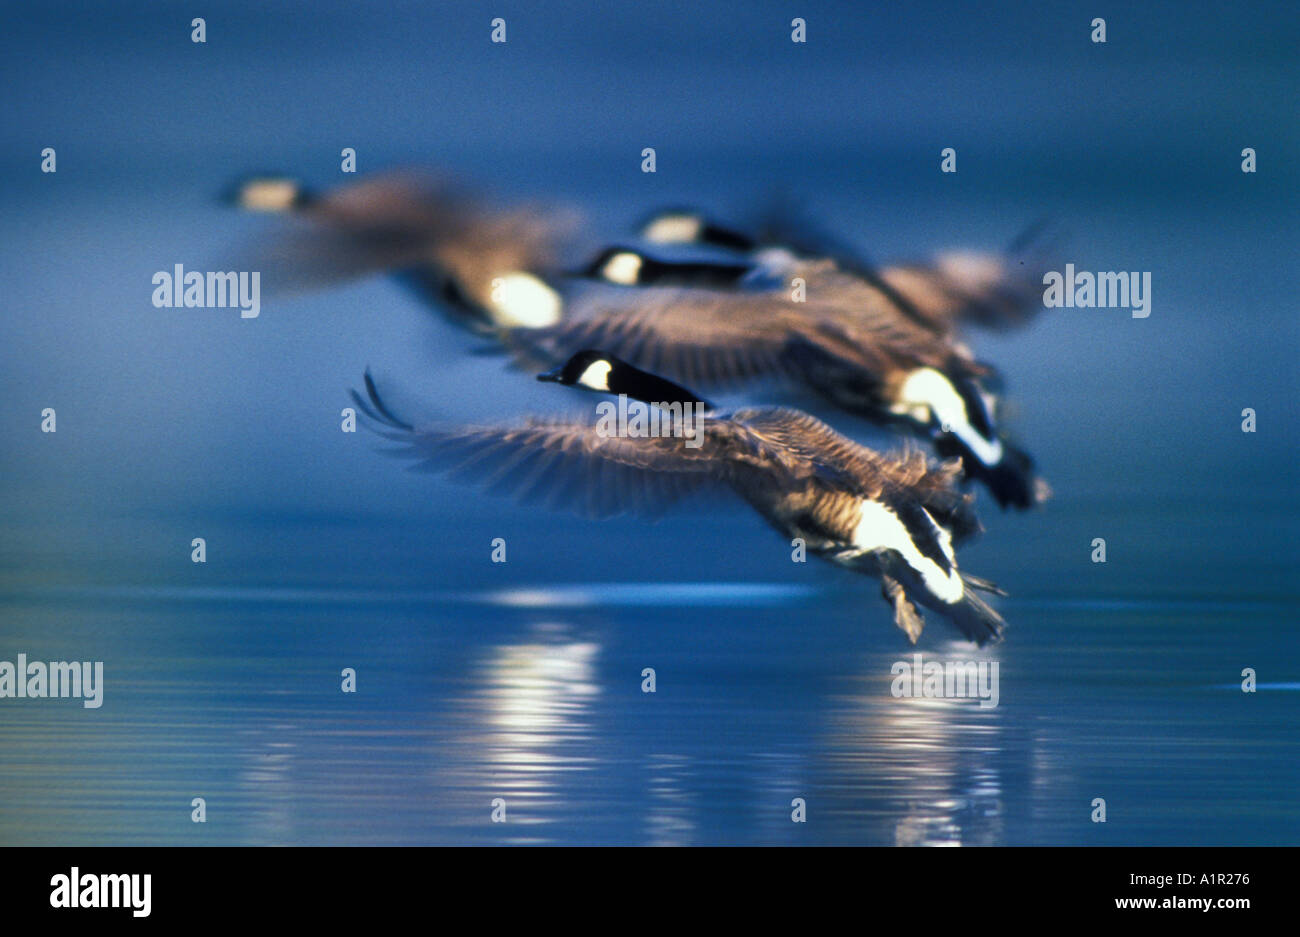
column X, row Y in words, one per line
column 485, row 266
column 896, row 517
column 845, row 341
column 954, row 289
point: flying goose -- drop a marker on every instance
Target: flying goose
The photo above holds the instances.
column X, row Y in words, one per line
column 846, row 342
column 484, row 265
column 953, row 289
column 895, row 516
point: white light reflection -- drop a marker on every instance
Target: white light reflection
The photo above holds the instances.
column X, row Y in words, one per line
column 531, row 726
column 669, row 820
column 930, row 766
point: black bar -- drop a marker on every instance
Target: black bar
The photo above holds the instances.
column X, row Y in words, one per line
column 329, row 885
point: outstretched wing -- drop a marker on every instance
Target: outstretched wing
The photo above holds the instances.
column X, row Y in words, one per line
column 564, row 464
column 695, row 336
column 956, row 288
column 967, row 288
column 715, row 337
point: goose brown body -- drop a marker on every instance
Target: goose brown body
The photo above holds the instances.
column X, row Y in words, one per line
column 803, row 477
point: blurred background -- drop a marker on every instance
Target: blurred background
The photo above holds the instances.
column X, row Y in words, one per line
column 523, row 680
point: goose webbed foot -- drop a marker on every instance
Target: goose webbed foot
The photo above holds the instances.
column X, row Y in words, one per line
column 905, row 614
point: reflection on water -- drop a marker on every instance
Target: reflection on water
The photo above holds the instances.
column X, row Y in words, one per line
column 934, row 761
column 669, row 807
column 941, row 757
column 458, row 706
column 603, row 594
column 266, row 781
column 532, row 720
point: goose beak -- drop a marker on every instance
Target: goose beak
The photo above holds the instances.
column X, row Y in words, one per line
column 552, row 375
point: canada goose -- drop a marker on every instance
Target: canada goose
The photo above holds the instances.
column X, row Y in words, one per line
column 895, row 516
column 955, row 288
column 847, row 342
column 484, row 265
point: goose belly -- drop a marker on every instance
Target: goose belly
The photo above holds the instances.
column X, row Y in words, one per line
column 880, row 528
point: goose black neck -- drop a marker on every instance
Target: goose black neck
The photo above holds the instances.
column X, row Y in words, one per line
column 650, row 388
column 725, row 237
column 691, row 273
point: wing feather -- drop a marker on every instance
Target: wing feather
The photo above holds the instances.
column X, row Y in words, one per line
column 724, row 337
column 566, row 463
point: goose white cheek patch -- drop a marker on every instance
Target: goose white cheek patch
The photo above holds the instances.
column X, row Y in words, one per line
column 268, row 195
column 970, row 269
column 673, row 229
column 926, row 392
column 596, row 376
column 623, row 269
column 521, row 301
column 880, row 529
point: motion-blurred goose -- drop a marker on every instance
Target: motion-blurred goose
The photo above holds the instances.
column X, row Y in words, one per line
column 954, row 289
column 847, row 342
column 895, row 517
column 485, row 266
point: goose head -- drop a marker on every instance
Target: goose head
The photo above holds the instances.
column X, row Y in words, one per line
column 604, row 373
